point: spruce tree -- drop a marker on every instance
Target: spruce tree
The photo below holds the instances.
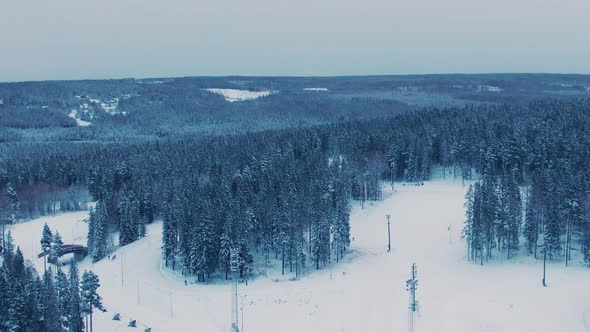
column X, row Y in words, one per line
column 98, row 232
column 18, row 318
column 55, row 250
column 89, row 295
column 170, row 227
column 75, row 323
column 5, row 298
column 225, row 251
column 50, row 304
column 531, row 225
column 13, row 202
column 46, row 239
column 62, row 286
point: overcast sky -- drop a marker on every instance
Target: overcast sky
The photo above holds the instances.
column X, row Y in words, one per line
column 74, row 39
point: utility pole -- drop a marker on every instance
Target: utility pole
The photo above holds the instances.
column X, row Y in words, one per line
column 234, row 266
column 411, row 286
column 388, row 233
column 171, row 310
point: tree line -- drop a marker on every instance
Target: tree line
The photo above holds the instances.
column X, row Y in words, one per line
column 50, row 303
column 269, row 191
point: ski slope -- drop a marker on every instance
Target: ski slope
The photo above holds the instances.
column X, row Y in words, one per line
column 365, row 292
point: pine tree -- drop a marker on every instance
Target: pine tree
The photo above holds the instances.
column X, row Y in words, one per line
column 170, row 227
column 55, row 250
column 321, row 242
column 514, row 212
column 17, row 316
column 98, row 232
column 8, row 249
column 341, row 228
column 89, row 295
column 138, row 219
column 90, row 241
column 75, row 323
column 552, row 227
column 5, row 298
column 50, row 304
column 13, row 202
column 468, row 229
column 62, row 286
column 531, row 225
column 225, row 251
column 245, row 259
column 33, row 302
column 46, row 238
column 17, row 309
column 586, row 240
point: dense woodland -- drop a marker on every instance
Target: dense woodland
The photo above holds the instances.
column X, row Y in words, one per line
column 48, row 303
column 286, row 194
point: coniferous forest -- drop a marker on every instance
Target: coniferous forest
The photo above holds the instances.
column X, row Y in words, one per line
column 287, row 193
column 295, row 166
column 55, row 301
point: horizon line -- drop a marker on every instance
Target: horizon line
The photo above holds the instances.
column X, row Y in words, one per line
column 301, row 76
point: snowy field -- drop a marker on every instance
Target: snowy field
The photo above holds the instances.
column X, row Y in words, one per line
column 366, row 292
column 315, row 89
column 81, row 123
column 233, row 95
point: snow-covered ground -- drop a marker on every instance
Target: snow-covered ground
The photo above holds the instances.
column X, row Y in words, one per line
column 233, row 95
column 90, row 106
column 81, row 123
column 365, row 292
column 315, row 89
column 489, row 88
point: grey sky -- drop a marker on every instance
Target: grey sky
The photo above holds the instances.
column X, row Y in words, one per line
column 73, row 39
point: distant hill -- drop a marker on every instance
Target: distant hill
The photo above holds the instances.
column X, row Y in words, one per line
column 159, row 107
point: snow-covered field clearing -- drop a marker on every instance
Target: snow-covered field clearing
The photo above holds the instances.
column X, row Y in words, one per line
column 365, row 292
column 316, row 89
column 233, row 95
column 80, row 123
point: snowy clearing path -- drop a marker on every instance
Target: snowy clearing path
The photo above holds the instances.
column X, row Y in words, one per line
column 365, row 292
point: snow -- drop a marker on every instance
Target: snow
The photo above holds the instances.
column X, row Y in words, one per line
column 94, row 104
column 81, row 123
column 233, row 95
column 489, row 88
column 154, row 81
column 365, row 292
column 1, row 101
column 315, row 89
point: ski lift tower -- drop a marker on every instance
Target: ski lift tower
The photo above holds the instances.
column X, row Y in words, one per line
column 411, row 286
